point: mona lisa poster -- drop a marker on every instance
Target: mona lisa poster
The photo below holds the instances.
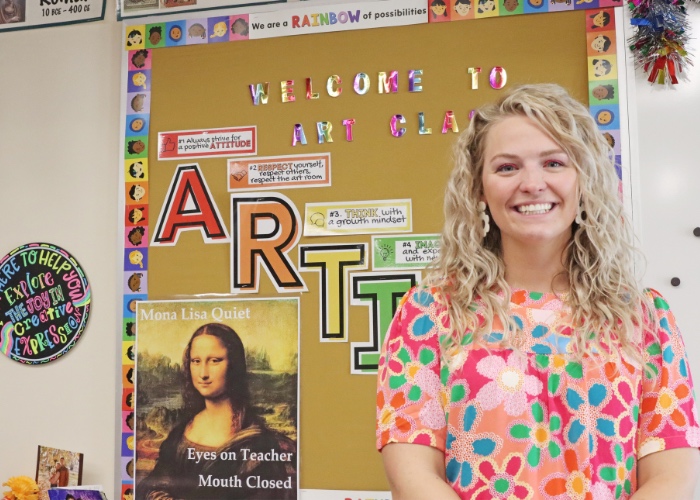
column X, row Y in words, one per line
column 217, row 399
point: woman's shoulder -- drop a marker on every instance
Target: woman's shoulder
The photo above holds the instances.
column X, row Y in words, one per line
column 655, row 299
column 660, row 325
column 423, row 297
column 420, row 318
column 655, row 307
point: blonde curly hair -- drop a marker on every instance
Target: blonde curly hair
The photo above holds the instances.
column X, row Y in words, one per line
column 598, row 259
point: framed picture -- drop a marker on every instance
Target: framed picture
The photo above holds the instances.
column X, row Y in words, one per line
column 57, row 468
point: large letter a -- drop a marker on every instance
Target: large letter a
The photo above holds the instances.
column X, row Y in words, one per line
column 187, row 206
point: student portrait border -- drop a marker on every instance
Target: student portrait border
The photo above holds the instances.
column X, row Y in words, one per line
column 299, row 19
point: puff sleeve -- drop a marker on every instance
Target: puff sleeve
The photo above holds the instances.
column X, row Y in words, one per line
column 410, row 394
column 668, row 415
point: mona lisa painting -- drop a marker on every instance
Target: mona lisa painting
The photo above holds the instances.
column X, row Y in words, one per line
column 216, row 399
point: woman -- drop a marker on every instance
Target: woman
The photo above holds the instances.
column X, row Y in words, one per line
column 53, row 476
column 529, row 365
column 221, row 450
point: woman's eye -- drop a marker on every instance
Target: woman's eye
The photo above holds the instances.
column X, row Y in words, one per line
column 195, row 361
column 554, row 163
column 505, row 168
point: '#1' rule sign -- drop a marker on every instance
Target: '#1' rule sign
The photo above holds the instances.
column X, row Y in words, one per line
column 44, row 303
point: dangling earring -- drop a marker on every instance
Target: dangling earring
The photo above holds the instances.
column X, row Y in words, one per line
column 481, row 208
column 580, row 214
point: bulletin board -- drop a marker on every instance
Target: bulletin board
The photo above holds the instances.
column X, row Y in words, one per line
column 322, row 179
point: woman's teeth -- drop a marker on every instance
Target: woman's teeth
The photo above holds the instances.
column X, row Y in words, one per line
column 539, row 208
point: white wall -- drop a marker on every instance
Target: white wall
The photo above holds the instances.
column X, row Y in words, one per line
column 59, row 109
column 668, row 121
column 59, row 141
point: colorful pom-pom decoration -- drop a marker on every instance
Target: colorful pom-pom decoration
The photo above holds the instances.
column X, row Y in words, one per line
column 661, row 34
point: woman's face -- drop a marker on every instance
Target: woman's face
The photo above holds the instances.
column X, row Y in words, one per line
column 530, row 185
column 208, row 366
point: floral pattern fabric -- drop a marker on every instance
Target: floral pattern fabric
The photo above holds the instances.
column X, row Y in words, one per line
column 535, row 423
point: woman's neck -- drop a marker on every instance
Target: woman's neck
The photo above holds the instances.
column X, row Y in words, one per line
column 536, row 268
column 216, row 424
column 219, row 407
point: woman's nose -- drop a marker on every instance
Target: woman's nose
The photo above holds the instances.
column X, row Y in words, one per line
column 532, row 180
column 203, row 372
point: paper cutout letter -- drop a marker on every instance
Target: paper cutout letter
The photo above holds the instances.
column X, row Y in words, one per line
column 333, row 263
column 380, row 292
column 265, row 228
column 189, row 205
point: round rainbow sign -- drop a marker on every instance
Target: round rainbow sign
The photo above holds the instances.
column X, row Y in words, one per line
column 44, row 303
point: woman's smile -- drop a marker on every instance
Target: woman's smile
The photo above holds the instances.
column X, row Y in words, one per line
column 535, row 208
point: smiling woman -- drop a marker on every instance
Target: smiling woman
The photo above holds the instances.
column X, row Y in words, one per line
column 529, row 364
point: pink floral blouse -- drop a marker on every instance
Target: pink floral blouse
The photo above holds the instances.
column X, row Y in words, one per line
column 538, row 424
